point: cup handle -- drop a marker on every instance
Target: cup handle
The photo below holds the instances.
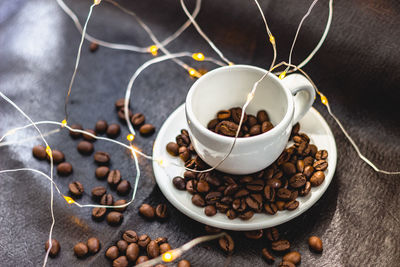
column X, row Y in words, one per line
column 303, row 94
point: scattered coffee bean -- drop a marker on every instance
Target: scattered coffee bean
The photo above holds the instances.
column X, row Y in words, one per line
column 124, row 187
column 81, row 250
column 153, row 249
column 184, row 263
column 226, row 243
column 147, row 211
column 147, row 129
column 317, row 178
column 173, row 149
column 130, row 236
column 55, row 247
column 39, row 152
column 321, row 154
column 132, row 252
column 98, row 192
column 120, row 202
column 280, row 245
column 102, row 158
column 113, row 130
column 112, row 253
column 93, row 47
column 114, row 218
column 58, row 156
column 315, row 244
column 179, row 183
column 164, row 248
column 320, row 165
column 293, row 256
column 286, row 264
column 102, row 172
column 76, row 188
column 88, row 137
column 93, row 244
column 101, row 127
column 121, row 261
column 85, row 148
column 255, row 234
column 114, row 178
column 141, row 259
column 64, row 169
column 122, row 246
column 268, row 256
column 107, row 199
column 120, row 103
column 121, row 114
column 138, row 119
column 75, row 135
column 98, row 214
column 143, row 241
column 161, row 211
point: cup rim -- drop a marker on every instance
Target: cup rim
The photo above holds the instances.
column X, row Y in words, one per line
column 222, row 138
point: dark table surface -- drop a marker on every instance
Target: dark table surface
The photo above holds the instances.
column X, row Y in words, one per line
column 357, row 68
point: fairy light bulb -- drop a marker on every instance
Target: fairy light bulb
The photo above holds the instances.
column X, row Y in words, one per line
column 64, row 123
column 171, row 255
column 153, row 50
column 272, row 39
column 69, row 200
column 194, row 73
column 231, row 63
column 282, row 75
column 48, row 151
column 324, row 100
column 130, row 137
column 97, row 2
column 198, row 56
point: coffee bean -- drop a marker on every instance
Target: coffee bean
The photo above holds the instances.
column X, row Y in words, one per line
column 306, row 189
column 93, row 244
column 132, row 252
column 120, row 103
column 308, row 171
column 64, row 169
column 161, row 240
column 255, row 234
column 239, row 204
column 226, row 243
column 254, row 201
column 212, row 230
column 212, row 124
column 102, row 158
column 115, row 218
column 262, row 116
column 269, row 193
column 75, row 135
column 107, row 199
column 85, row 148
column 191, row 186
column 153, row 249
column 184, row 263
column 147, row 129
column 274, row 183
column 223, row 115
column 101, row 127
column 280, row 245
column 113, row 178
column 88, row 137
column 272, row 234
column 246, row 215
column 98, row 192
column 138, row 119
column 102, row 172
column 300, row 165
column 143, row 241
column 241, row 193
column 293, row 256
column 315, row 244
column 231, row 214
column 164, row 248
column 270, row 208
column 141, row 259
column 81, row 250
column 286, row 264
column 308, row 161
column 93, row 47
column 255, row 130
column 236, row 114
column 161, row 211
column 268, row 256
column 227, row 128
column 203, row 187
column 120, row 202
column 320, row 165
column 213, row 197
column 121, row 114
column 294, row 195
column 321, row 154
column 283, row 193
column 121, row 261
column 124, row 187
column 280, row 204
column 317, row 178
column 122, row 246
column 98, row 214
column 130, row 236
column 184, row 153
column 179, row 183
column 173, row 149
column 112, row 253
column 113, row 130
column 55, row 247
column 256, row 185
column 198, row 200
column 251, row 121
column 58, row 156
column 266, row 126
column 39, row 152
column 210, row 210
column 76, row 188
column 292, row 205
column 297, row 180
column 147, row 211
column 288, row 168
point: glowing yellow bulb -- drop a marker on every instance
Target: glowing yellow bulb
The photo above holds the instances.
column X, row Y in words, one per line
column 272, row 39
column 64, row 123
column 198, row 56
column 324, row 100
column 48, row 151
column 231, row 63
column 96, row 2
column 194, row 73
column 282, row 75
column 130, row 137
column 153, row 50
column 69, row 200
column 167, row 257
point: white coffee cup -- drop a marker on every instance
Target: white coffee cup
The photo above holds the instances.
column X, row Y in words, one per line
column 286, row 102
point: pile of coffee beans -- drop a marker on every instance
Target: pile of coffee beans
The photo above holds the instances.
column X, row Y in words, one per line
column 276, row 188
column 91, row 247
column 227, row 123
column 133, row 249
column 160, row 212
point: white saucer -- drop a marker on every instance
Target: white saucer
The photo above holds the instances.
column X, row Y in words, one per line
column 313, row 124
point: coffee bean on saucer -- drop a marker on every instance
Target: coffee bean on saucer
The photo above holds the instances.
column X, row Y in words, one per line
column 184, row 263
column 55, row 247
column 293, row 256
column 142, row 259
column 121, row 114
column 102, row 158
column 286, row 264
column 113, row 178
column 75, row 135
column 112, row 253
column 98, row 192
column 98, row 214
column 143, row 240
column 88, row 137
column 113, row 130
column 320, row 165
column 147, row 211
column 138, row 119
column 172, row 149
column 64, row 169
column 124, row 187
column 120, row 103
column 114, row 218
column 292, row 205
column 161, row 211
column 130, row 236
column 246, row 215
column 107, row 199
column 210, row 210
column 184, row 153
column 183, row 140
column 315, row 244
column 132, row 252
column 76, row 188
column 58, row 156
column 226, row 243
column 153, row 250
column 198, row 200
column 280, row 245
column 120, row 202
column 122, row 246
column 81, row 250
column 93, row 47
column 147, row 129
column 93, row 244
column 317, row 178
column 321, row 154
column 39, row 152
column 102, row 172
column 85, row 148
column 267, row 256
column 121, row 261
column 101, row 127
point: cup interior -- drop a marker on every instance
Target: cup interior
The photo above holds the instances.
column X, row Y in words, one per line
column 228, row 87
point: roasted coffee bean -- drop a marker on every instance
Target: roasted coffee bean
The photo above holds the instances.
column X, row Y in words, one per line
column 114, row 178
column 280, row 245
column 300, row 165
column 161, row 240
column 256, row 185
column 98, row 192
column 102, row 172
column 184, row 263
column 112, row 252
column 272, row 234
column 173, row 149
column 313, row 150
column 266, row 126
column 132, row 252
column 236, row 114
column 255, row 234
column 93, row 244
column 246, row 215
column 147, row 211
column 85, row 148
column 39, row 152
column 179, row 183
column 294, row 195
column 213, row 180
column 321, row 154
column 191, row 186
column 293, row 256
column 255, row 130
column 308, row 171
column 292, row 205
column 138, row 119
column 98, row 214
column 147, row 129
column 241, row 193
column 227, row 128
column 184, row 153
column 88, row 137
column 75, row 135
column 288, row 168
column 198, row 200
column 161, row 211
column 267, row 256
column 286, row 264
column 283, row 193
column 141, row 259
column 76, row 188
column 120, row 202
column 58, row 156
column 124, row 187
column 239, row 204
column 64, row 169
column 284, row 157
column 280, row 204
column 223, row 115
column 143, row 241
column 81, row 250
column 297, row 180
column 231, row 189
column 308, row 161
column 320, row 165
column 182, row 140
column 274, row 183
column 255, row 202
column 278, row 175
column 210, row 210
column 153, row 250
column 315, row 244
column 262, row 116
column 223, row 208
column 114, row 218
column 107, row 199
column 270, row 208
column 317, row 178
column 113, row 130
column 122, row 246
column 55, row 247
column 226, row 243
column 306, row 189
column 269, row 193
column 120, row 103
column 101, row 127
column 203, row 187
column 190, row 175
column 93, row 47
column 213, row 197
column 102, row 158
column 164, row 248
column 231, row 214
column 211, row 125
column 130, row 236
column 211, row 229
column 121, row 114
column 251, row 121
column 121, row 261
